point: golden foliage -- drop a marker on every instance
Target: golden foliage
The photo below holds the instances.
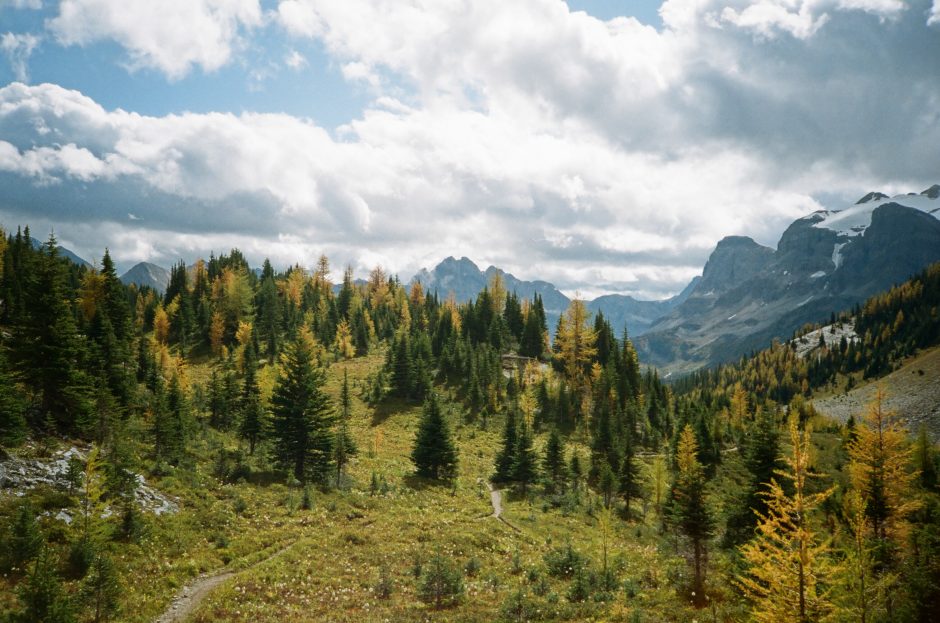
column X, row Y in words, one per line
column 161, row 325
column 216, row 332
column 880, row 468
column 344, row 341
column 576, row 344
column 789, row 566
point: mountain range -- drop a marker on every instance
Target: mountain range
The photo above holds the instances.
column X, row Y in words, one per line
column 825, row 262
column 465, row 280
column 747, row 295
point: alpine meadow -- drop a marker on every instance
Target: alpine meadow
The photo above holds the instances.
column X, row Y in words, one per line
column 252, row 367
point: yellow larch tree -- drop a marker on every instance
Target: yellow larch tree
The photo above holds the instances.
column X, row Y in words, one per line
column 344, row 341
column 576, row 345
column 789, row 569
column 881, row 470
column 161, row 325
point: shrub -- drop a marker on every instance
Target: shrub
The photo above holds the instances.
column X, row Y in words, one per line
column 23, row 541
column 519, row 607
column 564, row 561
column 42, row 596
column 441, row 585
column 81, row 555
column 384, row 587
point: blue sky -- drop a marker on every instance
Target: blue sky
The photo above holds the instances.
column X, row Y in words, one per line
column 259, row 83
column 605, row 146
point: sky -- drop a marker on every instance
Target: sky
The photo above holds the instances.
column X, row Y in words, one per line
column 602, row 145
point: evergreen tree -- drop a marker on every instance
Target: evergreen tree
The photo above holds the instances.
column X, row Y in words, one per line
column 48, row 350
column 434, row 454
column 441, row 585
column 252, row 421
column 43, row 598
column 302, row 416
column 762, row 460
column 24, row 540
column 606, row 482
column 554, row 461
column 507, row 454
column 691, row 512
column 12, row 407
column 788, row 576
column 345, row 446
column 524, row 465
column 532, row 342
column 629, row 482
column 102, row 589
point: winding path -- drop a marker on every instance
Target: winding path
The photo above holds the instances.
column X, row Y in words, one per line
column 496, row 499
column 193, row 594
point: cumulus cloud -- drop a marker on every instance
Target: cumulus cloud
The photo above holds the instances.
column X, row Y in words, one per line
column 18, row 48
column 171, row 36
column 550, row 143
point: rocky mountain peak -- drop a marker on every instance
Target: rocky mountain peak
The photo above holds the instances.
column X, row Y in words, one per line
column 872, row 196
column 735, row 259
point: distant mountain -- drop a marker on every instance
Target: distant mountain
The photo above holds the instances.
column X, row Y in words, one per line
column 66, row 253
column 827, row 261
column 147, row 274
column 625, row 311
column 465, row 279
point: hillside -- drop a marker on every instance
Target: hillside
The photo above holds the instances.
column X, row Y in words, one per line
column 913, row 392
column 275, row 449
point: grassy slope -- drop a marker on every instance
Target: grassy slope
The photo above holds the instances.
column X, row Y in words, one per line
column 332, row 571
column 343, row 541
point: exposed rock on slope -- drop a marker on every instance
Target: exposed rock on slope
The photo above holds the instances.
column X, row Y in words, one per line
column 827, row 261
column 147, row 274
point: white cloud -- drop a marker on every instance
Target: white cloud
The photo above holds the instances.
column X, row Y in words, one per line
column 18, row 48
column 934, row 17
column 546, row 142
column 295, row 60
column 171, row 36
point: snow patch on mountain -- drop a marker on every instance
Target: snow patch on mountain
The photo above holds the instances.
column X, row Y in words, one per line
column 855, row 219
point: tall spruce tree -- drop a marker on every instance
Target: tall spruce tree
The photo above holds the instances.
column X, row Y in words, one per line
column 302, row 416
column 762, row 460
column 507, row 454
column 48, row 350
column 434, row 454
column 524, row 464
column 554, row 461
column 629, row 482
column 251, row 427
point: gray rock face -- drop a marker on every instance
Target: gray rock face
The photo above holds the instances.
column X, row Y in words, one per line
column 825, row 262
column 147, row 274
column 17, row 475
column 735, row 259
